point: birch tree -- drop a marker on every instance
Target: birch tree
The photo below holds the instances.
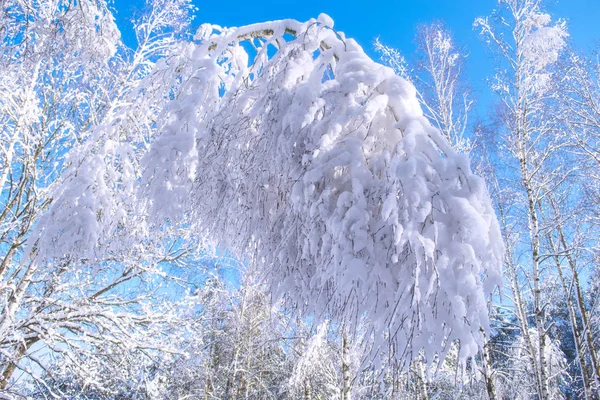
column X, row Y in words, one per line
column 528, row 45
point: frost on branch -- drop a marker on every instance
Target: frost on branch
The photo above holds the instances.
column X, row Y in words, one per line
column 286, row 143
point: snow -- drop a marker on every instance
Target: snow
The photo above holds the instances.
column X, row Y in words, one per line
column 325, row 20
column 315, row 162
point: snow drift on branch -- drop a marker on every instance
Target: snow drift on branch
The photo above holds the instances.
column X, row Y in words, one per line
column 286, row 143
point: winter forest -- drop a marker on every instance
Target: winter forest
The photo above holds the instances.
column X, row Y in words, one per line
column 277, row 211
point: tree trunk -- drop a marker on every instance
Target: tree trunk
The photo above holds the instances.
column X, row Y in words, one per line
column 422, row 393
column 522, row 317
column 307, row 392
column 10, row 367
column 572, row 318
column 534, row 234
column 488, row 371
column 346, row 382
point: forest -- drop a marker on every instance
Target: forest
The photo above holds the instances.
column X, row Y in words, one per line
column 276, row 211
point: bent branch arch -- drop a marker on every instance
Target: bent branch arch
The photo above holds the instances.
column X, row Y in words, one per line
column 287, row 144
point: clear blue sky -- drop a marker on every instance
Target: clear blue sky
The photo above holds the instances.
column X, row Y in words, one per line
column 394, row 21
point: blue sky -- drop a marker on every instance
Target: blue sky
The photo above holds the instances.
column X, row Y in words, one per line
column 395, row 22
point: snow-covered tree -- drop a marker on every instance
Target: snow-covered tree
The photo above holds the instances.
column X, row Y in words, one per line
column 520, row 383
column 579, row 241
column 437, row 74
column 240, row 346
column 288, row 145
column 316, row 372
column 64, row 73
column 529, row 46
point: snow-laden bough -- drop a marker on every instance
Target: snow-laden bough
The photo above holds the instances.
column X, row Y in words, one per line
column 285, row 143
